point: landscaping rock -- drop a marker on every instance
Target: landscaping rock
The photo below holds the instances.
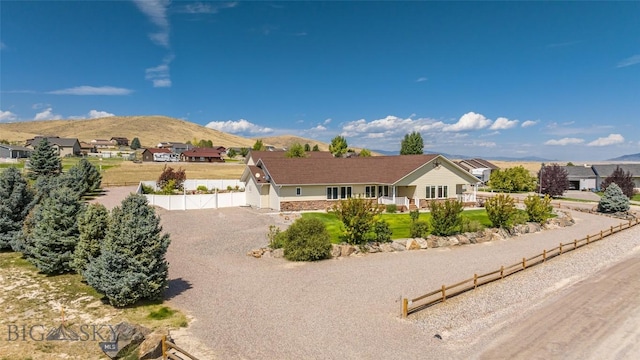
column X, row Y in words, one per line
column 151, row 347
column 346, row 250
column 128, row 337
column 463, row 239
column 397, row 246
column 412, row 244
column 432, row 242
column 278, row 253
column 256, row 253
column 386, row 247
column 372, row 248
column 335, row 250
column 423, row 243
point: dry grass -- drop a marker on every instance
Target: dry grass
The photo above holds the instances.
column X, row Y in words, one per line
column 31, row 299
column 131, row 173
column 285, row 141
column 532, row 166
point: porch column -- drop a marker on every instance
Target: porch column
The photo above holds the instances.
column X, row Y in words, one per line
column 393, row 188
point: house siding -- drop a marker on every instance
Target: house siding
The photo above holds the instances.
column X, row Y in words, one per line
column 445, row 174
column 252, row 191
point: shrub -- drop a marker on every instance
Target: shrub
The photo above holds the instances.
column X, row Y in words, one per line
column 357, row 216
column 414, row 215
column 307, row 239
column 276, row 237
column 469, row 225
column 147, row 189
column 419, row 229
column 382, row 231
column 446, row 217
column 169, row 187
column 613, row 200
column 501, row 210
column 169, row 174
column 202, row 188
column 538, row 209
column 520, row 217
column 131, row 265
column 391, row 208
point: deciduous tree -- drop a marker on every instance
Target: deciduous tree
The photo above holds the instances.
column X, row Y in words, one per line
column 338, row 146
column 258, row 145
column 512, row 180
column 296, row 151
column 554, row 180
column 412, row 144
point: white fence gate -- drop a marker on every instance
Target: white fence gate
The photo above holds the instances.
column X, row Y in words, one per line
column 199, row 201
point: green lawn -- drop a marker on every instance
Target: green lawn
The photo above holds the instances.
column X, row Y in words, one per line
column 399, row 223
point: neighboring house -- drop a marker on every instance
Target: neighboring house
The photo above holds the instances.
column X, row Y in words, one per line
column 201, row 155
column 63, row 146
column 605, row 170
column 14, row 151
column 175, row 147
column 480, row 168
column 102, row 143
column 318, row 182
column 160, row 155
column 580, row 177
column 87, row 148
column 120, row 141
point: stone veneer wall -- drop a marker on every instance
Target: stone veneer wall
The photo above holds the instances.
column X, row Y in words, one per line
column 306, row 205
column 424, row 203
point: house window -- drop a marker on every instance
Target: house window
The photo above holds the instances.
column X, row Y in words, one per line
column 343, row 192
column 383, row 190
column 442, row 192
column 298, row 191
column 431, row 192
column 370, row 191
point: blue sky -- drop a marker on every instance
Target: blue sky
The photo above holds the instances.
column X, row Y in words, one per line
column 559, row 80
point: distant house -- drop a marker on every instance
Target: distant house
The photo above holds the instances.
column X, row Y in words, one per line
column 63, row 146
column 175, row 147
column 602, row 171
column 14, row 152
column 158, row 155
column 120, row 141
column 319, row 181
column 201, row 155
column 580, row 177
column 479, row 168
column 87, row 148
column 102, row 143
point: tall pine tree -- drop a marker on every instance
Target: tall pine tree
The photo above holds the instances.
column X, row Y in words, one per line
column 16, row 199
column 131, row 265
column 44, row 161
column 55, row 233
column 92, row 226
column 82, row 178
column 412, row 144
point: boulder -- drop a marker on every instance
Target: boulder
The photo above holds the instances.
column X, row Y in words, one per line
column 373, row 247
column 412, row 244
column 443, row 241
column 398, row 246
column 386, row 247
column 256, row 253
column 432, row 241
column 151, row 347
column 346, row 250
column 127, row 337
column 463, row 239
column 453, row 240
column 277, row 253
column 335, row 250
column 423, row 243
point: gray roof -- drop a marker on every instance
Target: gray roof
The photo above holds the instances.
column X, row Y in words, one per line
column 64, row 142
column 579, row 172
column 15, row 147
column 605, row 170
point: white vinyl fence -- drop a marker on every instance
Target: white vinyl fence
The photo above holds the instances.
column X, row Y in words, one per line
column 199, row 201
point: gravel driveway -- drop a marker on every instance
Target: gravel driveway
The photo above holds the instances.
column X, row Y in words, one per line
column 247, row 308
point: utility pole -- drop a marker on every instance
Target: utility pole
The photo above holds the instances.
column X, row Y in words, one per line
column 540, row 180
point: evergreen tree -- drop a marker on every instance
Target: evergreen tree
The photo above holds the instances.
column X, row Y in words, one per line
column 244, row 151
column 338, row 146
column 55, row 233
column 231, row 153
column 258, row 146
column 622, row 179
column 16, row 199
column 92, row 227
column 44, row 161
column 307, row 147
column 412, row 144
column 131, row 265
column 135, row 144
column 296, row 151
column 613, row 200
column 315, row 148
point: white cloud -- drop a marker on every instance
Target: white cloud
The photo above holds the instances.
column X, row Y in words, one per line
column 469, row 121
column 159, row 75
column 156, row 11
column 529, row 123
column 239, row 126
column 502, row 123
column 612, row 139
column 390, row 125
column 47, row 114
column 633, row 60
column 421, row 79
column 207, row 8
column 92, row 90
column 7, row 116
column 326, row 121
column 565, row 141
column 318, row 128
column 94, row 114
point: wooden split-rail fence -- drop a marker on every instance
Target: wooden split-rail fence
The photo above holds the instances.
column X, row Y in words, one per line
column 172, row 351
column 445, row 292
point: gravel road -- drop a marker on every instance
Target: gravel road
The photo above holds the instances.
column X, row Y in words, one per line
column 268, row 308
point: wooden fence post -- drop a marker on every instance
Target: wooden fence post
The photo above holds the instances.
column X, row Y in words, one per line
column 524, row 263
column 475, row 281
column 502, row 272
column 611, row 229
column 544, row 255
column 601, row 236
column 620, row 226
column 405, row 307
column 560, row 248
column 575, row 243
column 444, row 293
column 164, row 347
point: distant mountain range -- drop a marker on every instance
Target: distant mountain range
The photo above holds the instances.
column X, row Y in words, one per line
column 630, row 157
column 458, row 156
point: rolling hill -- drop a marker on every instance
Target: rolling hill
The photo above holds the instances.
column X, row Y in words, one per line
column 149, row 129
column 629, row 157
column 285, row 141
